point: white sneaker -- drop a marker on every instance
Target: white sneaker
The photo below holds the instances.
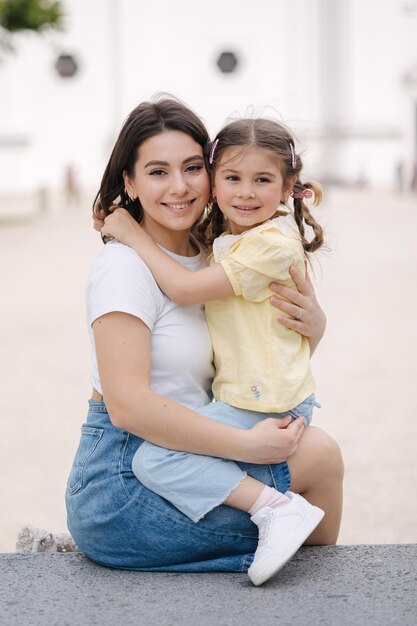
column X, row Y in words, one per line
column 281, row 532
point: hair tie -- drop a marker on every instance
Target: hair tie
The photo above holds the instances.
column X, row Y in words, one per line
column 213, row 147
column 293, row 156
column 307, row 193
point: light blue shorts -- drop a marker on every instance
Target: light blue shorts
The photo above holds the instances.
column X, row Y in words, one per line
column 194, row 483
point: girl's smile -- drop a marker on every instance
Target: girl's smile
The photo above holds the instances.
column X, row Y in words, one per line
column 246, row 209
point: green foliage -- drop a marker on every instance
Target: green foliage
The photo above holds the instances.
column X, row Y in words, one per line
column 35, row 15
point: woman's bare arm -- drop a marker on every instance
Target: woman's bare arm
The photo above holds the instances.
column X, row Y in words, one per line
column 123, row 354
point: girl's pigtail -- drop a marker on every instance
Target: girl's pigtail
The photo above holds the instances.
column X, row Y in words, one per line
column 212, row 226
column 302, row 213
column 203, row 231
column 218, row 221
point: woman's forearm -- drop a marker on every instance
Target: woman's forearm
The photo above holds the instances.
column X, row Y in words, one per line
column 171, row 425
column 320, row 327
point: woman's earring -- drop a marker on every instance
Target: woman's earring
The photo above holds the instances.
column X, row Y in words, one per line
column 131, row 196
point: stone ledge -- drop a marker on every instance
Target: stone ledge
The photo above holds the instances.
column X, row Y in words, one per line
column 370, row 585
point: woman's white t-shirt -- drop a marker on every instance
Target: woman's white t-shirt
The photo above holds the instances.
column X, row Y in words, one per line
column 181, row 352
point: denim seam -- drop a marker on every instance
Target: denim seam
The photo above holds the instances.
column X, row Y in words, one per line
column 97, row 407
column 288, row 475
column 122, row 457
column 247, row 562
column 273, row 479
column 93, row 432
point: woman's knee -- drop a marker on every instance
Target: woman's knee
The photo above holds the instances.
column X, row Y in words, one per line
column 330, row 455
column 318, row 461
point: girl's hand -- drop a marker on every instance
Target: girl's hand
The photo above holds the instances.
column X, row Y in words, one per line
column 306, row 315
column 120, row 225
column 272, row 440
column 98, row 222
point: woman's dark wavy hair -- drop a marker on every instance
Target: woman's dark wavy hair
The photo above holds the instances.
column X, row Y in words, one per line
column 146, row 120
column 277, row 139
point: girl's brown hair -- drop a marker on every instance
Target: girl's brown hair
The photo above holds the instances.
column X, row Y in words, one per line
column 275, row 138
column 145, row 121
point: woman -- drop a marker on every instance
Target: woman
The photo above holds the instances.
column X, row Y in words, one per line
column 152, row 364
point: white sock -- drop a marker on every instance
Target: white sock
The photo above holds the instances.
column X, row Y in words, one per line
column 268, row 497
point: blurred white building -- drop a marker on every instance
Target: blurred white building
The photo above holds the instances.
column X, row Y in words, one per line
column 341, row 73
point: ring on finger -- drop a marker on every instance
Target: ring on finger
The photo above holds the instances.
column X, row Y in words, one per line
column 299, row 314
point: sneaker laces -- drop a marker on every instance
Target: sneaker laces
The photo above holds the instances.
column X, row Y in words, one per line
column 264, row 529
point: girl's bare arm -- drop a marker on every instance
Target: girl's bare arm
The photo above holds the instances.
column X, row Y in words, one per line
column 185, row 287
column 179, row 283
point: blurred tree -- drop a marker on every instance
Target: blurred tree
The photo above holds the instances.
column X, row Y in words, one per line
column 31, row 15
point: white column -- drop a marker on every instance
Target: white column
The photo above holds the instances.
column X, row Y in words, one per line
column 335, row 44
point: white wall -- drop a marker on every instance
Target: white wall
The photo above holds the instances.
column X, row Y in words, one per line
column 130, row 49
column 383, row 48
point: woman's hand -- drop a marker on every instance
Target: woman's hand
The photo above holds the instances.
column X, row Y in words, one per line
column 306, row 315
column 272, row 440
column 120, row 225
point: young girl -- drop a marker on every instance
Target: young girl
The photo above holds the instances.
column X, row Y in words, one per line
column 262, row 367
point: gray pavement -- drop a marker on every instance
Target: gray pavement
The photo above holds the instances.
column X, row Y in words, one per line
column 328, row 586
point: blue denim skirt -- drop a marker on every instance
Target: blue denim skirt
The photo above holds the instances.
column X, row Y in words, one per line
column 118, row 522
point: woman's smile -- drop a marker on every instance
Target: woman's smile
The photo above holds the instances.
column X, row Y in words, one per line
column 176, row 206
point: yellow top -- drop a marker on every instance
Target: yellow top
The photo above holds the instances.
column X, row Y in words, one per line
column 260, row 364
